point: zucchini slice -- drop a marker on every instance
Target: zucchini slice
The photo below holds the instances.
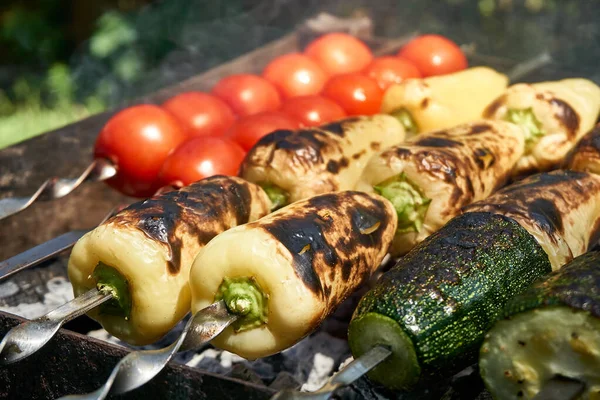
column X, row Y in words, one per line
column 434, row 307
column 552, row 329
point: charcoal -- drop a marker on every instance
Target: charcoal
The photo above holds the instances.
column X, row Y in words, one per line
column 285, row 380
column 245, row 373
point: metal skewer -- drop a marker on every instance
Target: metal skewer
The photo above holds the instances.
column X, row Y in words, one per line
column 55, row 188
column 139, row 367
column 558, row 388
column 27, row 338
column 346, row 376
column 45, row 251
column 39, row 254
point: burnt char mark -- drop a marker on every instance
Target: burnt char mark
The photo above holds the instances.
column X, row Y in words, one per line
column 339, row 127
column 591, row 139
column 545, row 179
column 585, row 152
column 358, row 155
column 479, row 128
column 199, row 211
column 295, row 234
column 375, row 146
column 594, row 137
column 546, row 215
column 274, row 137
column 308, row 145
column 402, row 152
column 484, row 158
column 567, row 116
column 594, row 242
column 243, row 203
column 324, row 237
column 574, row 285
column 433, row 141
column 335, row 166
column 491, row 110
column 425, row 103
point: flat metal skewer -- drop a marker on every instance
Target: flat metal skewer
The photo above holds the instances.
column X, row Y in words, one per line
column 346, row 376
column 45, row 251
column 139, row 367
column 27, row 338
column 55, row 188
column 38, row 254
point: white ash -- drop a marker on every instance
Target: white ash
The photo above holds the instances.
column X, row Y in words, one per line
column 310, row 362
column 59, row 291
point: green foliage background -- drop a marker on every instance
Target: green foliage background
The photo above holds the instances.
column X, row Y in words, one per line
column 62, row 60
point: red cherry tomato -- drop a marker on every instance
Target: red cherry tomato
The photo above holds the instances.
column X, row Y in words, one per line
column 389, row 70
column 313, row 110
column 295, row 75
column 357, row 94
column 339, row 53
column 248, row 94
column 199, row 158
column 200, row 113
column 138, row 140
column 248, row 130
column 434, row 55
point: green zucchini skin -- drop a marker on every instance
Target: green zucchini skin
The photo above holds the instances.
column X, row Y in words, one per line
column 445, row 294
column 576, row 285
column 551, row 328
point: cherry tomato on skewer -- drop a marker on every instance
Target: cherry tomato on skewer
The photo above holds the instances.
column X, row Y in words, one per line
column 389, row 70
column 247, row 94
column 248, row 130
column 313, row 110
column 295, row 75
column 138, row 140
column 434, row 55
column 339, row 53
column 357, row 94
column 201, row 114
column 199, row 158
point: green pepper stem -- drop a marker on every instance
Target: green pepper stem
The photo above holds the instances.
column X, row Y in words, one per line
column 406, row 119
column 279, row 197
column 244, row 297
column 527, row 120
column 110, row 280
column 409, row 201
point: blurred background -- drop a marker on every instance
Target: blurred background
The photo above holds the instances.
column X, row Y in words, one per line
column 63, row 60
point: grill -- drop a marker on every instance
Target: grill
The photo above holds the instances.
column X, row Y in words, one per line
column 80, row 358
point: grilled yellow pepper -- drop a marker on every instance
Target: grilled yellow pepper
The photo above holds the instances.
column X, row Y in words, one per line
column 553, row 115
column 430, row 178
column 286, row 272
column 441, row 102
column 143, row 254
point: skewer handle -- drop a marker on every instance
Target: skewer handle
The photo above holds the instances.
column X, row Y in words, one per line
column 55, row 188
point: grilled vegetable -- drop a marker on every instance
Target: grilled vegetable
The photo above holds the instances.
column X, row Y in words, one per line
column 286, row 272
column 551, row 329
column 144, row 253
column 435, row 305
column 429, row 179
column 586, row 155
column 441, row 102
column 295, row 165
column 562, row 219
column 553, row 115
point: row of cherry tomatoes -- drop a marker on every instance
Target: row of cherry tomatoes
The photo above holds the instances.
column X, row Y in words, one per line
column 194, row 135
